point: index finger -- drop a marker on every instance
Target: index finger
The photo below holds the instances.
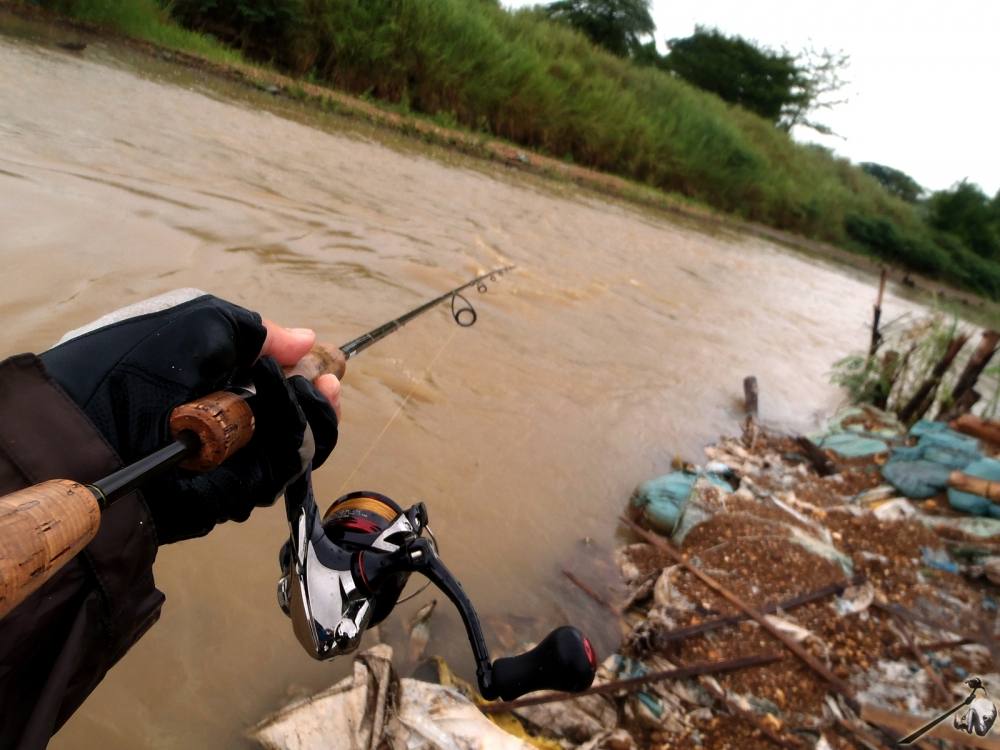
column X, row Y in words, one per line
column 287, row 345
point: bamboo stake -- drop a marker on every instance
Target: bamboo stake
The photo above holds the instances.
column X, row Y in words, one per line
column 921, row 401
column 970, row 375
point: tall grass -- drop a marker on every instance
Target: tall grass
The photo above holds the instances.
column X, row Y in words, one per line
column 520, row 77
column 146, row 20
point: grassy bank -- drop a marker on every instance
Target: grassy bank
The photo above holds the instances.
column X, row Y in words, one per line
column 520, row 78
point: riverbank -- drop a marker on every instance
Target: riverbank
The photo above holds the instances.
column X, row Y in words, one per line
column 771, row 599
column 397, row 125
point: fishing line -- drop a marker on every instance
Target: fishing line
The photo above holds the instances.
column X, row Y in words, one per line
column 396, row 413
column 462, row 312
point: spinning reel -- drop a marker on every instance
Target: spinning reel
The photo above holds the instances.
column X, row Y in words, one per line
column 344, row 572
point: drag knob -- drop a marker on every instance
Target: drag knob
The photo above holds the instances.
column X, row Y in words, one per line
column 563, row 661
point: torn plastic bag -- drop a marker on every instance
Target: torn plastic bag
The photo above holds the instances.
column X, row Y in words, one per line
column 375, row 709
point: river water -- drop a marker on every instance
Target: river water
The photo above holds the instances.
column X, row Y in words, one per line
column 619, row 343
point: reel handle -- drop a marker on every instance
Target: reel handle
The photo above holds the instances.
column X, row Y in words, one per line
column 564, row 660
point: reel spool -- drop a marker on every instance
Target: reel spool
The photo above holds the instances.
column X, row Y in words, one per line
column 354, row 521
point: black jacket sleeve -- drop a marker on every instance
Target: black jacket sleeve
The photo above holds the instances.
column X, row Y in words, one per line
column 57, row 645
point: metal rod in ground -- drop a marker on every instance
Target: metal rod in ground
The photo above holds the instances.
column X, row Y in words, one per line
column 661, row 639
column 634, row 684
column 590, row 592
column 808, row 659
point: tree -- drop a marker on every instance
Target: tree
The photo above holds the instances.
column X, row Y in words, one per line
column 779, row 86
column 616, row 25
column 969, row 214
column 898, row 183
column 731, row 67
column 819, row 84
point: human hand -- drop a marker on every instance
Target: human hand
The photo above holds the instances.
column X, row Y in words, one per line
column 127, row 371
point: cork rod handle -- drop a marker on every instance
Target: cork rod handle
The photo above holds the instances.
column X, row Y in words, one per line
column 224, row 423
column 41, row 528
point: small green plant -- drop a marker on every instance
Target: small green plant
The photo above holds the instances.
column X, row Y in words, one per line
column 860, row 376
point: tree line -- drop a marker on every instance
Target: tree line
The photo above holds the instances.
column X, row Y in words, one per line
column 784, row 88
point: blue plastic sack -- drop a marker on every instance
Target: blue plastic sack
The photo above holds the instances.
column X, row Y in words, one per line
column 852, row 445
column 917, row 479
column 664, row 498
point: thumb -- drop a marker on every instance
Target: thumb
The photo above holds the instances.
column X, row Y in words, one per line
column 287, row 345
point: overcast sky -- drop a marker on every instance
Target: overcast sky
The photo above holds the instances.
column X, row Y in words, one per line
column 924, row 77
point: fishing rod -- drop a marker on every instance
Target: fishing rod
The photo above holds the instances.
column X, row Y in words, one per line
column 205, row 433
column 365, row 340
column 342, row 572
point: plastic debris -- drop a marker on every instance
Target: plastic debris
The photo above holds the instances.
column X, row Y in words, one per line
column 938, row 559
column 374, row 708
column 850, row 445
column 664, row 499
column 896, row 509
column 420, row 631
column 855, row 600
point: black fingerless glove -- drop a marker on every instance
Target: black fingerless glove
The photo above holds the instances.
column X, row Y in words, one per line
column 129, row 375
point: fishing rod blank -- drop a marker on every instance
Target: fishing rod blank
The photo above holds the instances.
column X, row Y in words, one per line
column 47, row 524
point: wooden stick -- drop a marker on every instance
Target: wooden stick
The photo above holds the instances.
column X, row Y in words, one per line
column 984, row 429
column 635, row 684
column 990, row 640
column 944, row 645
column 877, row 315
column 974, row 485
column 921, row 401
column 661, row 639
column 817, row 457
column 591, row 593
column 808, row 659
column 750, row 400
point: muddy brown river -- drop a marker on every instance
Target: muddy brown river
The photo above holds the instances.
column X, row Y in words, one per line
column 619, row 343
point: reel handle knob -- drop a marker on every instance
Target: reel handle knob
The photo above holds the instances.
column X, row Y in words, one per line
column 564, row 660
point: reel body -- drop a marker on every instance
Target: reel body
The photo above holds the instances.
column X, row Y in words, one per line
column 345, row 572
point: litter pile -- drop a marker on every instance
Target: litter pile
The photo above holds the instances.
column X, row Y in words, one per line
column 880, row 604
column 786, row 593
